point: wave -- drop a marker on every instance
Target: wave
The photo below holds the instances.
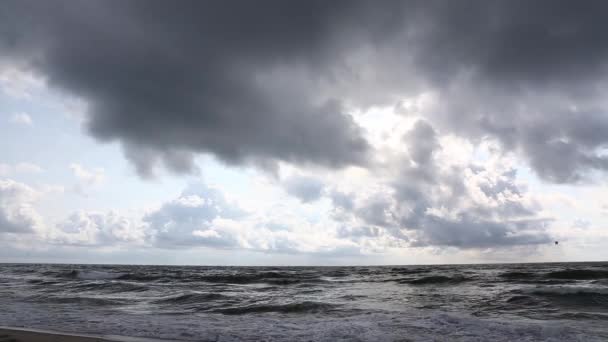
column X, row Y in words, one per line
column 86, row 275
column 43, row 282
column 144, row 277
column 522, row 300
column 578, row 274
column 112, row 287
column 584, row 296
column 190, row 298
column 584, row 316
column 517, row 275
column 86, row 301
column 300, row 307
column 272, row 278
column 431, row 280
column 403, row 270
column 567, row 290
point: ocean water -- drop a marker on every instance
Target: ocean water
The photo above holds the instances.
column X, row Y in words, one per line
column 514, row 302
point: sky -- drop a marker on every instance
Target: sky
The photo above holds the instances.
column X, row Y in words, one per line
column 303, row 133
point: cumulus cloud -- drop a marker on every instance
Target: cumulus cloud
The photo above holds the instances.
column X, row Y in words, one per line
column 17, row 214
column 306, row 189
column 86, row 228
column 433, row 202
column 202, row 217
column 192, row 220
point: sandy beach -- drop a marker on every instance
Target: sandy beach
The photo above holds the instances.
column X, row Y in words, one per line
column 9, row 334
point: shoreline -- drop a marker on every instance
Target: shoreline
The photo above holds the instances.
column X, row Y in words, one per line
column 15, row 334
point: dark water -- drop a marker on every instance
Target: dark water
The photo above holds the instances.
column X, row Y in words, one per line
column 517, row 302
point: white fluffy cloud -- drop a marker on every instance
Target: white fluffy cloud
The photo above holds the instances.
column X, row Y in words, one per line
column 202, row 217
column 97, row 229
column 17, row 214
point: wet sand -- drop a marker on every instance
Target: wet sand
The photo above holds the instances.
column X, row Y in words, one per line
column 9, row 334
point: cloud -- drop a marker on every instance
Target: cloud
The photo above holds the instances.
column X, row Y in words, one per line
column 202, row 217
column 191, row 83
column 170, row 82
column 522, row 74
column 22, row 119
column 17, row 214
column 262, row 84
column 87, row 178
column 7, row 169
column 88, row 228
column 433, row 201
column 342, row 200
column 18, row 83
column 306, row 189
column 191, row 220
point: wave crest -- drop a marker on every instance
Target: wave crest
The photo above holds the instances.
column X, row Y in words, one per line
column 578, row 274
column 190, row 298
column 431, row 280
column 299, row 307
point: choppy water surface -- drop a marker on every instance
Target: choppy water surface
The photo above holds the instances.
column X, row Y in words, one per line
column 523, row 302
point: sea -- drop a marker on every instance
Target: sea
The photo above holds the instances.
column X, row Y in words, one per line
column 506, row 302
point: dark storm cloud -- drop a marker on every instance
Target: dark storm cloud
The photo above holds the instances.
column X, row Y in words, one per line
column 257, row 82
column 530, row 74
column 166, row 78
column 516, row 41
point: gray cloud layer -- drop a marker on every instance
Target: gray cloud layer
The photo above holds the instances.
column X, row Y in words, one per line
column 266, row 81
column 169, row 80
